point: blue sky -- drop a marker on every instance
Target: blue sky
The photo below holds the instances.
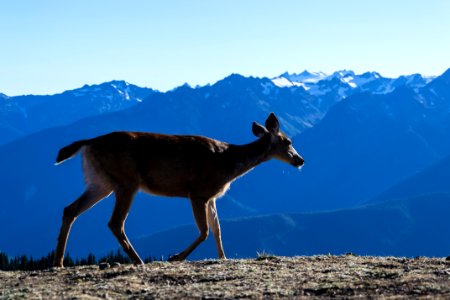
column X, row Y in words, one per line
column 50, row 46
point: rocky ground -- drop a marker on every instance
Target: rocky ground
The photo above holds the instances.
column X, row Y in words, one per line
column 267, row 277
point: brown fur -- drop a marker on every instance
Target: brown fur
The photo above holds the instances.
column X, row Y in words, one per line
column 194, row 167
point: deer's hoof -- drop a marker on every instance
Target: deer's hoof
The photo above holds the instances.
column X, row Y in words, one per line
column 176, row 257
column 58, row 265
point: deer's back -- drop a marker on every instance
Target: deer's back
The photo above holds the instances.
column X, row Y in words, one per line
column 171, row 165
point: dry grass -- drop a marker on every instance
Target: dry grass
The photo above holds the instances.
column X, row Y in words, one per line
column 265, row 277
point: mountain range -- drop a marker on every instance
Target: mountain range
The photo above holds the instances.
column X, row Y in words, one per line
column 23, row 115
column 359, row 140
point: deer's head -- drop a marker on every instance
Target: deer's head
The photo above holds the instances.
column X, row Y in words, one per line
column 281, row 145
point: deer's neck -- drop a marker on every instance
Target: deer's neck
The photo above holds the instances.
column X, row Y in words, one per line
column 246, row 157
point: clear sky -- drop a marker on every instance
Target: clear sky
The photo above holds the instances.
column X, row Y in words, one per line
column 50, row 46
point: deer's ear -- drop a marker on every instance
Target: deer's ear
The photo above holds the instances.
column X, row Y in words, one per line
column 258, row 130
column 272, row 124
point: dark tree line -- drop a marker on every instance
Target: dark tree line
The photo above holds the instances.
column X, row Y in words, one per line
column 29, row 263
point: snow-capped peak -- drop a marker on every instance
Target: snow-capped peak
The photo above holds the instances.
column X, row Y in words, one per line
column 304, row 77
column 107, row 88
column 282, row 81
column 372, row 75
column 428, row 79
column 119, row 84
column 346, row 82
column 342, row 74
column 114, row 91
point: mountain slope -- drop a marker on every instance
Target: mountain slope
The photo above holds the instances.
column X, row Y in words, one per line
column 411, row 227
column 370, row 141
column 435, row 178
column 10, row 112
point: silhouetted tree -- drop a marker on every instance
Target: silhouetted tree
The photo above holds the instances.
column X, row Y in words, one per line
column 25, row 263
column 4, row 261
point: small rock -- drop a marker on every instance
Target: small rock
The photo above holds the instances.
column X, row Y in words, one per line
column 447, row 258
column 115, row 265
column 103, row 266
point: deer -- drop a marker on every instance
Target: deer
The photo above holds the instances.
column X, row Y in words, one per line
column 194, row 167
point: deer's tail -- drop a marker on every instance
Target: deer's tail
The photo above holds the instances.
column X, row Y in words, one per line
column 70, row 150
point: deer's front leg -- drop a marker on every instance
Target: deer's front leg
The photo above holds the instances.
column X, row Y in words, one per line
column 199, row 208
column 213, row 221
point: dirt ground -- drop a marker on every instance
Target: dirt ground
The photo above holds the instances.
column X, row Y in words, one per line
column 266, row 277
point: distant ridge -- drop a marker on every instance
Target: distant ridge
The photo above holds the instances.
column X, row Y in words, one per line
column 412, row 227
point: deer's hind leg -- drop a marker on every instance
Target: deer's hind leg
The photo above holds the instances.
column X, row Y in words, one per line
column 97, row 188
column 92, row 195
column 124, row 198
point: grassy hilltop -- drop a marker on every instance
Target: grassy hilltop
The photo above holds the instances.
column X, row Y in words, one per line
column 265, row 277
